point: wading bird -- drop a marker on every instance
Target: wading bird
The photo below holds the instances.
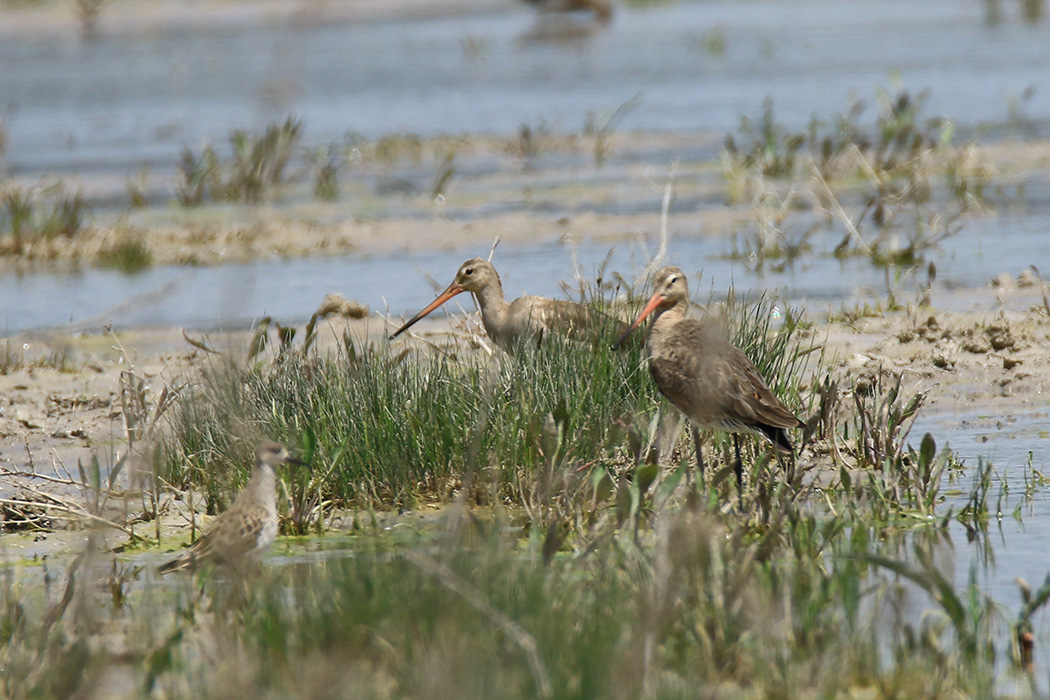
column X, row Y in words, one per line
column 705, row 376
column 525, row 317
column 601, row 10
column 242, row 533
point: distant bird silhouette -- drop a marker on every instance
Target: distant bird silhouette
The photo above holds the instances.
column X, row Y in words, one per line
column 601, row 10
column 242, row 533
column 705, row 376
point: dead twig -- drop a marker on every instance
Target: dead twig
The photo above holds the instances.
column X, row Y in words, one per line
column 72, row 509
column 851, row 229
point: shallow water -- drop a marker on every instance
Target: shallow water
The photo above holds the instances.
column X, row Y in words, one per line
column 121, row 100
column 232, row 296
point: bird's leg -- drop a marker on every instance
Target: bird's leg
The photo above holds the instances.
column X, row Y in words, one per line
column 739, row 466
column 787, row 466
column 697, row 442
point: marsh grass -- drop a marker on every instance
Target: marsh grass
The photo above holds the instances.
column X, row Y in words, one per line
column 558, row 428
column 909, row 182
column 625, row 582
column 794, row 601
column 138, row 188
column 412, row 421
column 893, row 144
column 129, row 252
column 590, row 573
column 325, row 163
column 445, row 172
column 39, row 213
column 531, row 141
column 256, row 166
column 61, row 358
column 601, row 126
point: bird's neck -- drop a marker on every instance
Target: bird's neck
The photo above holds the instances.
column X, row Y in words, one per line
column 265, row 483
column 666, row 317
column 491, row 302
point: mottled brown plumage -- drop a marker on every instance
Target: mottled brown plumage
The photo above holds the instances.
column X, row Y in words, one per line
column 507, row 324
column 242, row 533
column 705, row 376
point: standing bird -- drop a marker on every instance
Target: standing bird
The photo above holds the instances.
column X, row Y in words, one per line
column 525, row 317
column 244, row 532
column 601, row 10
column 705, row 376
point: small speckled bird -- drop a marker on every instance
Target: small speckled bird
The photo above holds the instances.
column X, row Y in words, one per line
column 705, row 376
column 525, row 317
column 243, row 533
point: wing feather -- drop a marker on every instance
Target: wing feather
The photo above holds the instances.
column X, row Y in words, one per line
column 714, row 382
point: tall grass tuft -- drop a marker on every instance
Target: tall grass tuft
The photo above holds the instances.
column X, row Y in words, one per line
column 256, row 166
column 129, row 253
column 37, row 214
column 557, row 422
column 415, row 423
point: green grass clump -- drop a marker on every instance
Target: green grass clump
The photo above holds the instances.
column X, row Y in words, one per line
column 554, row 429
column 129, row 253
column 902, row 176
column 408, row 427
column 38, row 214
column 899, row 136
column 256, row 166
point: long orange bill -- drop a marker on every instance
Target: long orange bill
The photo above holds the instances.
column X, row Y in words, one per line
column 655, row 300
column 453, row 290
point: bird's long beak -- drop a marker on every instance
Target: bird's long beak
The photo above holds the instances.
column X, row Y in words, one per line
column 655, row 300
column 298, row 462
column 453, row 290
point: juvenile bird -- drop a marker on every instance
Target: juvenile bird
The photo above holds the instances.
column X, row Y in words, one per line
column 243, row 533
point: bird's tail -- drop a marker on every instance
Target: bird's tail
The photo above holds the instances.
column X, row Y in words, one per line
column 184, row 561
column 778, row 436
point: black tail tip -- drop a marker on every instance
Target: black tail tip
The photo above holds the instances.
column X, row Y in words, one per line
column 778, row 436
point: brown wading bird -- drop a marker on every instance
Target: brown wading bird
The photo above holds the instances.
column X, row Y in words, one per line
column 243, row 533
column 600, row 9
column 525, row 317
column 705, row 376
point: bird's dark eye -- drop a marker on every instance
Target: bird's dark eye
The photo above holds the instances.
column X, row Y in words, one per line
column 469, row 271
